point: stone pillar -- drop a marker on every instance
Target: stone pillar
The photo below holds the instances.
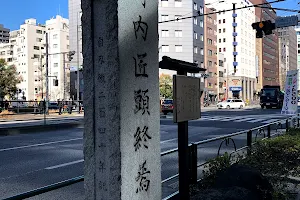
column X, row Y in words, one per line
column 121, row 99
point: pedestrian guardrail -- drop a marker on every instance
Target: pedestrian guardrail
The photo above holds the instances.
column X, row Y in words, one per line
column 265, row 131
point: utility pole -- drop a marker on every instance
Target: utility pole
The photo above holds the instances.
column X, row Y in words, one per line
column 64, row 63
column 78, row 76
column 47, row 71
column 42, row 75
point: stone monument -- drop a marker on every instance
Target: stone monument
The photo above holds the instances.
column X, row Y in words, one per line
column 121, row 99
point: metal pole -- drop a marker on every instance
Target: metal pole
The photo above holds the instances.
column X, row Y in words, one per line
column 183, row 152
column 47, row 71
column 42, row 75
column 64, row 63
column 78, row 89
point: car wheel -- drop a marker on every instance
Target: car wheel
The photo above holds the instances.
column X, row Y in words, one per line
column 228, row 107
column 241, row 106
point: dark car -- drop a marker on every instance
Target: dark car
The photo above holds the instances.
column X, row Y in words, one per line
column 167, row 106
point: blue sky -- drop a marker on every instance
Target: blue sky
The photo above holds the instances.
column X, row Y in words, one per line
column 14, row 12
column 43, row 10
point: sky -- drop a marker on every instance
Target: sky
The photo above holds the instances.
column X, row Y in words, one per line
column 14, row 12
column 43, row 10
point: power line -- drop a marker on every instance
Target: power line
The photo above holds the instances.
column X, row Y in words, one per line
column 283, row 9
column 211, row 13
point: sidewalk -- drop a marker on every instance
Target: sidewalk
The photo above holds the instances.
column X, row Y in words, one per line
column 27, row 117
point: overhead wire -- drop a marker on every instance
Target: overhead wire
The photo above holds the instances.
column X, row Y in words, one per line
column 211, row 13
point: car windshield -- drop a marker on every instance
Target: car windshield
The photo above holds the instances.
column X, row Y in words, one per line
column 268, row 92
column 168, row 102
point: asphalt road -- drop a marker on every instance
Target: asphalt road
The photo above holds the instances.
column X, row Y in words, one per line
column 29, row 161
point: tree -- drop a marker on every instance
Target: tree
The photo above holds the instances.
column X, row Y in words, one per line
column 166, row 86
column 8, row 79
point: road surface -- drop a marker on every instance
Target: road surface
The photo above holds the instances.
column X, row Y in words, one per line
column 29, row 161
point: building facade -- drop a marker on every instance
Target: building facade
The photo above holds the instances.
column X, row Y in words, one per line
column 181, row 39
column 26, row 49
column 287, row 52
column 297, row 29
column 4, row 34
column 210, row 56
column 268, row 55
column 236, row 43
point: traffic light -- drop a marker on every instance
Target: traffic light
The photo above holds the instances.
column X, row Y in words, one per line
column 55, row 82
column 264, row 26
column 70, row 55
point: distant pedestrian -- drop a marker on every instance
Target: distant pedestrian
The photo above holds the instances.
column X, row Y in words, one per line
column 70, row 106
column 59, row 103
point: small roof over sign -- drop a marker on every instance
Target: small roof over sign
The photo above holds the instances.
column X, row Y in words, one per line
column 179, row 65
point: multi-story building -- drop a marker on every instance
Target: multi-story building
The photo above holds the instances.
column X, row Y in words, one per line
column 4, row 34
column 210, row 56
column 59, row 69
column 236, row 43
column 297, row 29
column 181, row 39
column 267, row 54
column 287, row 52
column 75, row 43
column 26, row 51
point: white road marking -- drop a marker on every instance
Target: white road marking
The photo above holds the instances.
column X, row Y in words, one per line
column 245, row 119
column 256, row 120
column 165, row 141
column 270, row 121
column 40, row 144
column 64, row 164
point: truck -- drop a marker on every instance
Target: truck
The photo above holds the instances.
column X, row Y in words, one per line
column 271, row 96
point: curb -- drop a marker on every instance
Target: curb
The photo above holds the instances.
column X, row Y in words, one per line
column 38, row 128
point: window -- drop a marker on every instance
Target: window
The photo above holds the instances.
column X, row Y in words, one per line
column 178, row 33
column 178, row 48
column 220, row 31
column 195, row 21
column 38, row 39
column 224, row 39
column 195, row 6
column 165, row 33
column 164, row 3
column 220, row 40
column 36, row 56
column 178, row 3
column 224, row 30
column 224, row 49
column 220, row 21
column 196, row 35
column 55, row 64
column 177, row 17
column 196, row 50
column 67, row 37
column 220, row 50
column 54, row 45
column 209, row 41
column 164, row 17
column 210, row 52
column 201, row 51
column 39, row 31
column 201, row 23
column 68, row 46
column 165, row 48
column 223, row 21
column 209, row 63
column 201, row 37
column 298, row 51
column 201, row 10
column 55, row 36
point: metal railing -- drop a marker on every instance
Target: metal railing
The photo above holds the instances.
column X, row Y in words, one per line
column 264, row 130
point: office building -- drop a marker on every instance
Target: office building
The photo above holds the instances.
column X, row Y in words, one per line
column 181, row 39
column 210, row 56
column 267, row 51
column 236, row 43
column 4, row 34
column 297, row 29
column 287, row 52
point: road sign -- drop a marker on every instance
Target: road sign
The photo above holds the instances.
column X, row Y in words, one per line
column 186, row 92
column 237, row 88
column 281, row 22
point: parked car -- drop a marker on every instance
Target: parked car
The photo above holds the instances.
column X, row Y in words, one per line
column 167, row 106
column 231, row 103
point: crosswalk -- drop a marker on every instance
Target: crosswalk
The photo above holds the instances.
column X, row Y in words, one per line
column 264, row 119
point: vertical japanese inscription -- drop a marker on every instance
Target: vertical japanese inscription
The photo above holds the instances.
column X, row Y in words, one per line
column 141, row 99
column 140, row 65
column 140, row 27
column 142, row 178
column 141, row 138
